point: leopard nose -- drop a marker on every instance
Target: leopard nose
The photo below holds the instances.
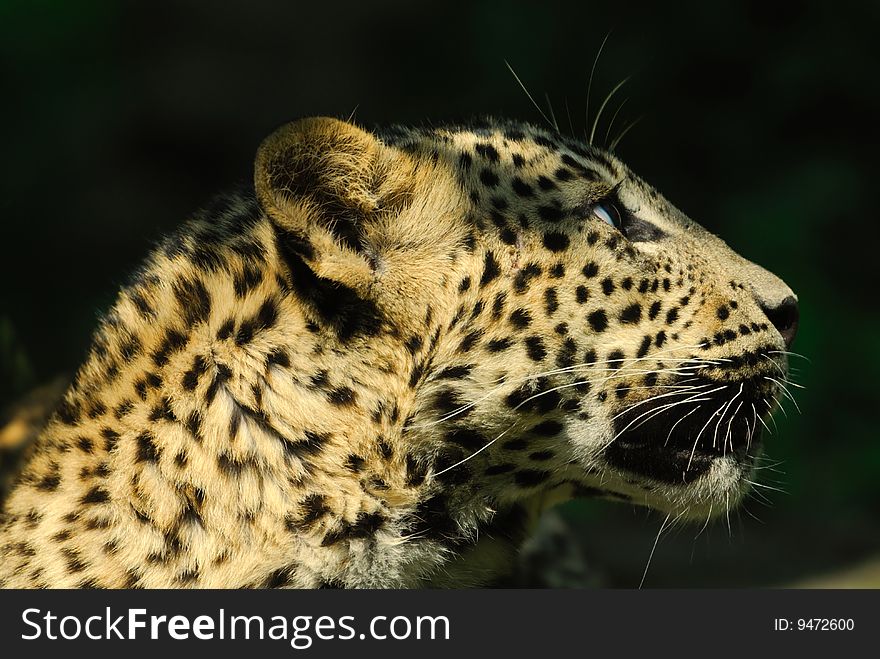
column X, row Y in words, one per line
column 785, row 317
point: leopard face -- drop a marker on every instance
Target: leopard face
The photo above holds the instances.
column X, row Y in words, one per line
column 606, row 341
column 370, row 368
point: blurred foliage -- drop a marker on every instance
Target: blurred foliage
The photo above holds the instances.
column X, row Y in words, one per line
column 121, row 118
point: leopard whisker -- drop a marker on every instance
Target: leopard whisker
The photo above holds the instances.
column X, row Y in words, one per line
column 785, row 391
column 669, row 434
column 613, row 117
column 789, row 353
column 653, row 549
column 537, row 107
column 665, row 408
column 699, row 434
column 652, row 411
column 604, row 104
column 552, row 114
column 590, row 82
column 632, row 124
column 721, row 418
column 728, row 434
column 493, row 391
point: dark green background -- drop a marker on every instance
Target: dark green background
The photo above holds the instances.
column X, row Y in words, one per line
column 119, row 119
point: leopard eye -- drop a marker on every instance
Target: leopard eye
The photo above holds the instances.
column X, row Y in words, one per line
column 607, row 213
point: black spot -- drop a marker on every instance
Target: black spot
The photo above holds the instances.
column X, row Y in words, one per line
column 147, row 449
column 550, row 213
column 615, row 357
column 488, row 178
column 193, row 424
column 521, row 188
column 413, row 344
column 162, row 411
column 590, row 270
column 194, row 300
column 226, row 330
column 355, row 463
column 455, row 372
column 654, row 310
column 265, row 318
column 466, row 438
column 541, row 456
column 490, row 269
column 464, row 285
column 549, row 428
column 565, row 356
column 661, row 338
column 306, row 448
column 598, row 320
column 515, row 444
column 68, row 412
column 470, row 242
column 557, row 271
column 144, row 309
column 173, row 342
column 546, row 184
column 645, row 346
column 385, row 449
column 555, row 241
column 723, row 312
column 487, row 151
column 607, row 286
column 631, row 314
column 95, row 495
column 535, row 348
column 530, row 477
column 130, row 349
column 470, row 340
column 563, row 174
column 497, row 470
column 498, row 305
column 524, row 277
column 581, row 294
column 672, row 315
column 49, row 483
column 415, row 471
column 551, row 303
column 191, row 377
column 342, row 396
column 278, row 357
column 111, row 437
column 520, row 318
column 499, row 345
column 447, row 400
column 365, row 525
column 73, row 560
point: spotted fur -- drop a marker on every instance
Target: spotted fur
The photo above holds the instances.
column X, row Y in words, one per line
column 378, row 364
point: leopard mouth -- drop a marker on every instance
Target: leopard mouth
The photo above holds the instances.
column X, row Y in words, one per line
column 676, row 437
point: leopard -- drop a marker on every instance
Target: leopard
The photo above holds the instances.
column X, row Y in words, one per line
column 377, row 364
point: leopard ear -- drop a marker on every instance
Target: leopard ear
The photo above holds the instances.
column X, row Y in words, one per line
column 318, row 178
